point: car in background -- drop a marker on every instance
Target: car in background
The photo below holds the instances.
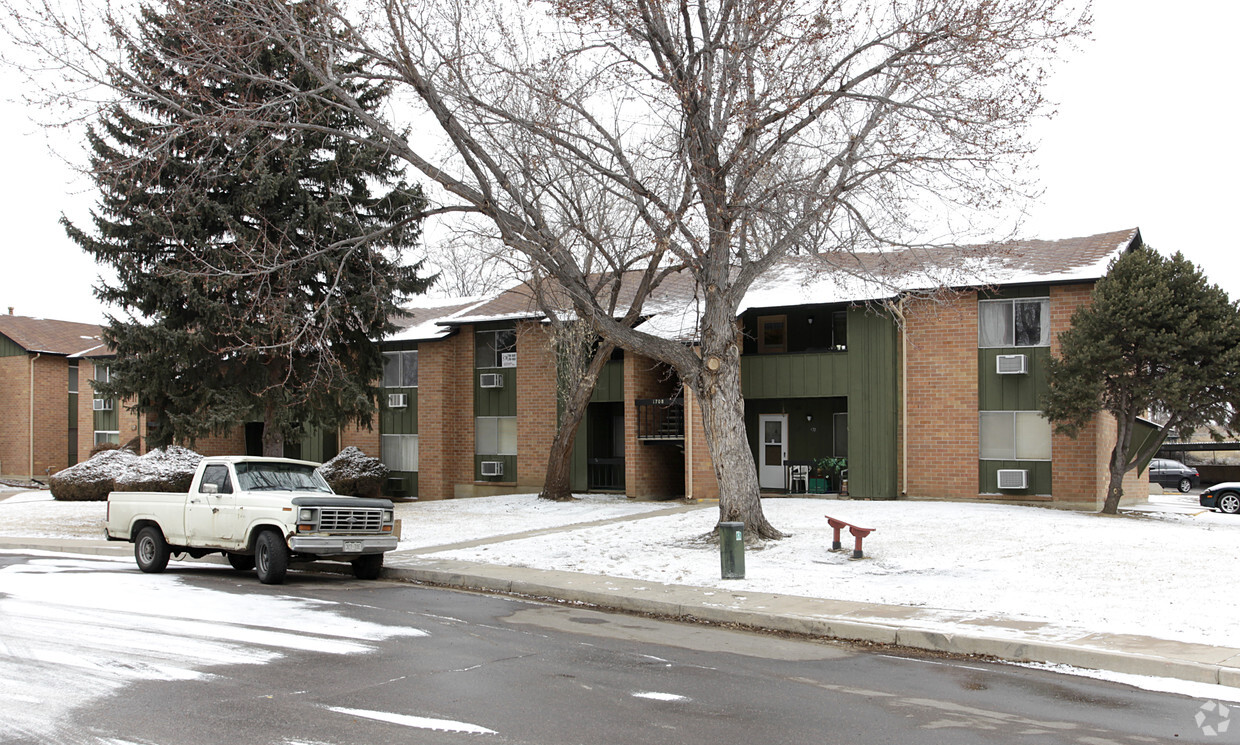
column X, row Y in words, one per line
column 1174, row 474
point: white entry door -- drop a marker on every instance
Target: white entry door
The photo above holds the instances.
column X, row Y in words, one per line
column 773, row 450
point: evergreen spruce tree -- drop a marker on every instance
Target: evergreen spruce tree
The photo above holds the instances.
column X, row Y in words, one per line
column 1156, row 338
column 256, row 267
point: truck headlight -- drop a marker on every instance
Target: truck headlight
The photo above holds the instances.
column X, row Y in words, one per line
column 306, row 520
column 387, row 516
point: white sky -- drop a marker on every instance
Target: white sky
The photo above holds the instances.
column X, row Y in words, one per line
column 1139, row 141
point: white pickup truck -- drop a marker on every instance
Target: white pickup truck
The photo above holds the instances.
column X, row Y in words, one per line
column 262, row 513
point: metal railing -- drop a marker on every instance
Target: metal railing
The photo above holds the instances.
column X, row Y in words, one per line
column 660, row 419
column 605, row 473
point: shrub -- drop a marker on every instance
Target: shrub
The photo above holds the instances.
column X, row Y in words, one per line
column 166, row 469
column 354, row 473
column 92, row 479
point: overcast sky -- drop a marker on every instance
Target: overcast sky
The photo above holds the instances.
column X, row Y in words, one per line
column 1144, row 138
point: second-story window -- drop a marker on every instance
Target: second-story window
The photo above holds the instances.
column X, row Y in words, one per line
column 1014, row 323
column 496, row 348
column 772, row 334
column 400, row 369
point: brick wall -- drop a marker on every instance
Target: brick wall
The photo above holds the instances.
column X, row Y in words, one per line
column 446, row 414
column 942, row 398
column 358, row 436
column 536, row 403
column 15, row 416
column 700, row 479
column 651, row 470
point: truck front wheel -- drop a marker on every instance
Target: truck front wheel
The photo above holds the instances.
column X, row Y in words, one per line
column 150, row 550
column 368, row 566
column 270, row 558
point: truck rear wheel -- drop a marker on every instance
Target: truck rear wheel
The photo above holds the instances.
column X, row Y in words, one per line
column 270, row 558
column 150, row 550
column 241, row 562
column 368, row 566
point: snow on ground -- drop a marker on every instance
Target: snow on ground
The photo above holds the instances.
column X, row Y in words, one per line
column 111, row 626
column 1160, row 570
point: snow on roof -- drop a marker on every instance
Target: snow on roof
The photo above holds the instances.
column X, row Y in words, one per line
column 424, row 320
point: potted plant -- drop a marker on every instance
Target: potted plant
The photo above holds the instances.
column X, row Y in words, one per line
column 829, row 470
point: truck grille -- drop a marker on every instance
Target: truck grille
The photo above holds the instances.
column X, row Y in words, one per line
column 339, row 520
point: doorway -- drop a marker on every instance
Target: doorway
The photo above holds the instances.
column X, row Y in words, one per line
column 772, row 450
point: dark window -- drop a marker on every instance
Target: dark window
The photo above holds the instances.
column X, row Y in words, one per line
column 217, row 475
column 772, row 334
column 496, row 348
column 400, row 369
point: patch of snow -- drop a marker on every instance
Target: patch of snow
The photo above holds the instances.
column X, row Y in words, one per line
column 655, row 696
column 1203, row 691
column 100, row 624
column 439, row 725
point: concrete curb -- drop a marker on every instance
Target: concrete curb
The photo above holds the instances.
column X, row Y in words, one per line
column 1132, row 655
column 831, row 619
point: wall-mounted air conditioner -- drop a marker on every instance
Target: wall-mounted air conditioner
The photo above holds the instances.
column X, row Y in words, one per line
column 398, row 400
column 101, row 404
column 1012, row 478
column 492, row 468
column 491, row 380
column 1011, row 364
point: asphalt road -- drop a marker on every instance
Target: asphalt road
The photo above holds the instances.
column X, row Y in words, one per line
column 329, row 660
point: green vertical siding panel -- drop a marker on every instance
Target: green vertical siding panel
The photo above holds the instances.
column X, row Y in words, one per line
column 1039, row 477
column 510, row 468
column 108, row 421
column 997, row 392
column 578, row 471
column 10, row 348
column 399, row 421
column 610, row 385
column 809, row 375
column 873, row 404
column 496, row 401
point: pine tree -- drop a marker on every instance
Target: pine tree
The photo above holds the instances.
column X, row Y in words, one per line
column 1156, row 338
column 256, row 267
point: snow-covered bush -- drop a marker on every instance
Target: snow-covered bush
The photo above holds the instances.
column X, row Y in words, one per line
column 166, row 469
column 354, row 473
column 91, row 480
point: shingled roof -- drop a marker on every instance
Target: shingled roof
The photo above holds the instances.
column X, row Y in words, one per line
column 45, row 336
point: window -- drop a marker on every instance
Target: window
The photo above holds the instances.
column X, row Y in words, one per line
column 103, row 373
column 839, row 330
column 104, row 436
column 1014, row 323
column 1014, row 435
column 496, row 348
column 399, row 452
column 495, row 435
column 73, row 377
column 217, row 475
column 772, row 334
column 839, row 435
column 400, row 369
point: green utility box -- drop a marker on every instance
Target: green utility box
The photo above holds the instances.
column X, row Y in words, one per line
column 732, row 550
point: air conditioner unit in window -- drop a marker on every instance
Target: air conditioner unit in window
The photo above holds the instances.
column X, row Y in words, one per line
column 398, row 400
column 491, row 380
column 1011, row 478
column 102, row 404
column 492, row 468
column 1011, row 364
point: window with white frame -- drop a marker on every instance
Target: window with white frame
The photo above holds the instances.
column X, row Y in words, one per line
column 103, row 436
column 1014, row 435
column 495, row 435
column 103, row 373
column 399, row 452
column 400, row 369
column 1014, row 323
column 496, row 348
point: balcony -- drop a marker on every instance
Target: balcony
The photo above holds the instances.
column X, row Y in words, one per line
column 661, row 419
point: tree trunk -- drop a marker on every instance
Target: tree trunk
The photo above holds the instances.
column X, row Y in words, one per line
column 1118, row 465
column 273, row 436
column 558, row 486
column 723, row 416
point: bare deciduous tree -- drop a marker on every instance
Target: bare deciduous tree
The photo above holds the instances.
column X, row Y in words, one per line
column 725, row 134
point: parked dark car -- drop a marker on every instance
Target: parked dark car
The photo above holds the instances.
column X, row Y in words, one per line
column 1224, row 497
column 1174, row 474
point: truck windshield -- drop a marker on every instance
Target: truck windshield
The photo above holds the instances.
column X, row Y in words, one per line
column 280, row 477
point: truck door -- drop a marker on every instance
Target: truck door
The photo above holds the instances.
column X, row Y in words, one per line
column 211, row 518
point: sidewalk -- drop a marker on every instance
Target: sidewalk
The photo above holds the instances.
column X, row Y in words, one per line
column 917, row 627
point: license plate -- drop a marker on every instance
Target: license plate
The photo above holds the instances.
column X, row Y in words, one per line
column 353, row 546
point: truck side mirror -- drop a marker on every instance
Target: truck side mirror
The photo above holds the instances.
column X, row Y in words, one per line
column 209, row 489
